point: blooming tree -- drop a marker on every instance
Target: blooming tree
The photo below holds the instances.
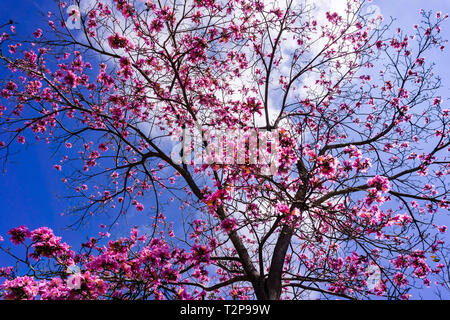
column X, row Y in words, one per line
column 347, row 206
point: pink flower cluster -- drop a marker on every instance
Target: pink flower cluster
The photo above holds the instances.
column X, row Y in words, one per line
column 380, row 183
column 106, row 274
column 20, row 288
column 116, row 41
column 19, row 234
column 228, row 224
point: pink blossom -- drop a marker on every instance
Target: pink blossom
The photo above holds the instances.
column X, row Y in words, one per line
column 380, row 183
column 19, row 234
column 283, row 208
column 20, row 288
column 327, row 166
column 21, row 139
column 103, row 147
column 400, row 262
column 228, row 224
column 117, row 42
column 71, row 79
column 400, row 279
column 38, row 33
column 139, row 207
column 200, row 254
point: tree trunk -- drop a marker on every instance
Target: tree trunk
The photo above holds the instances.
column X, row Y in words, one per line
column 269, row 288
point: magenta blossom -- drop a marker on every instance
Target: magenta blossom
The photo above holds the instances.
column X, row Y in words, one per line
column 380, row 183
column 118, row 42
column 19, row 234
column 228, row 224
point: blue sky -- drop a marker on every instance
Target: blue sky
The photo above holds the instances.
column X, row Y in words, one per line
column 29, row 190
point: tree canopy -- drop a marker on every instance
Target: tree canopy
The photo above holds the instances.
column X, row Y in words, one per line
column 307, row 150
